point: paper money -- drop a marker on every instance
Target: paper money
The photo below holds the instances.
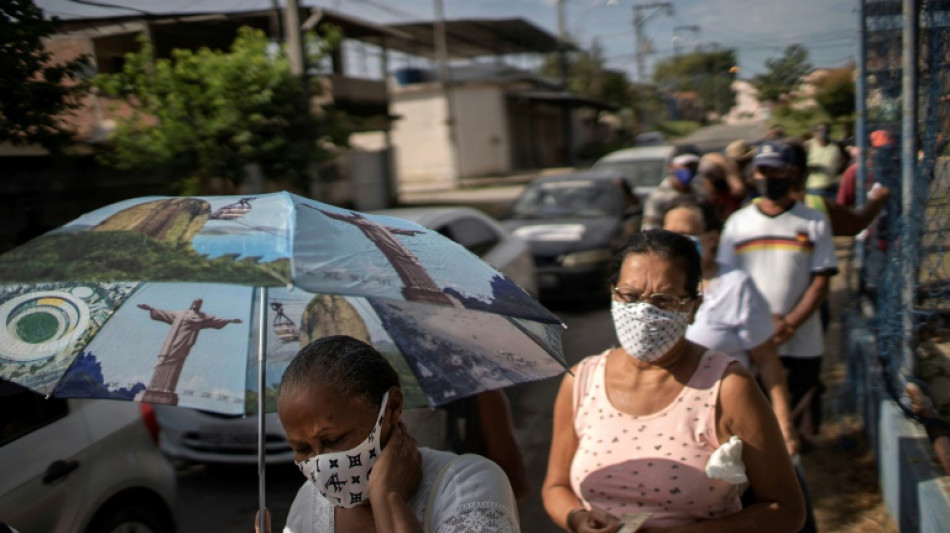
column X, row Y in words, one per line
column 631, row 522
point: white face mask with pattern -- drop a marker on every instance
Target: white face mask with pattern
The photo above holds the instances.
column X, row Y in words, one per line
column 343, row 477
column 645, row 331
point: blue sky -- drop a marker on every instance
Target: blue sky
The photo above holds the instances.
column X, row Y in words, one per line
column 758, row 29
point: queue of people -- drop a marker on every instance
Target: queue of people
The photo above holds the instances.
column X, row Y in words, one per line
column 693, row 422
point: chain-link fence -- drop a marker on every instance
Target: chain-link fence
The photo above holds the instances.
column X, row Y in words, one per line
column 903, row 129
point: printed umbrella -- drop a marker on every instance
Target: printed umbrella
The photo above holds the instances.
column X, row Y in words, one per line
column 202, row 301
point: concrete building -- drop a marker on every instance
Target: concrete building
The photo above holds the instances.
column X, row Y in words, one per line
column 65, row 189
column 490, row 118
column 503, row 120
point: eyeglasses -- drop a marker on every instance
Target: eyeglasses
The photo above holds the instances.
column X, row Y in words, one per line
column 666, row 302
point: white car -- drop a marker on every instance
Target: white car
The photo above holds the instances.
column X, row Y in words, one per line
column 207, row 437
column 644, row 166
column 82, row 466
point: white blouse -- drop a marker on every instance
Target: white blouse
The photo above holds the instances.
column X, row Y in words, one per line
column 473, row 496
column 733, row 318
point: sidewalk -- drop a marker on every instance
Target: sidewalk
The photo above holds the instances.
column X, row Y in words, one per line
column 841, row 469
column 487, row 192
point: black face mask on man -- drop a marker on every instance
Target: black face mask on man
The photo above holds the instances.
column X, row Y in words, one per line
column 772, row 188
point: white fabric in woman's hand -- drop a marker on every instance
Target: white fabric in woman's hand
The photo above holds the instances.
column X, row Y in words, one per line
column 474, row 495
column 725, row 464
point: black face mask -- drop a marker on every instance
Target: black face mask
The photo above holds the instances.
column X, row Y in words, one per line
column 772, row 188
column 720, row 185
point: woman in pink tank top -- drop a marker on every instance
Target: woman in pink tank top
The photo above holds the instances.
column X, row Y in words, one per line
column 635, row 426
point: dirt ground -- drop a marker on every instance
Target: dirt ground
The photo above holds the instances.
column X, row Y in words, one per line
column 840, row 467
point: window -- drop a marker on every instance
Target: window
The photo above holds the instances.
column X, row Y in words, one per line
column 475, row 235
column 23, row 411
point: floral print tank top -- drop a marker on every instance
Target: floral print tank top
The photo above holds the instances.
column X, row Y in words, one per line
column 653, row 463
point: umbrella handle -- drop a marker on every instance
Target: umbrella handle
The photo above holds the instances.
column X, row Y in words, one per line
column 261, row 393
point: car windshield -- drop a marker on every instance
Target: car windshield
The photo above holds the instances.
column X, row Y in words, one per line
column 641, row 172
column 569, row 199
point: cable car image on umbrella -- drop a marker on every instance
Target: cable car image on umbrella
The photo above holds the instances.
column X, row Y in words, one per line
column 232, row 211
column 284, row 327
column 98, row 308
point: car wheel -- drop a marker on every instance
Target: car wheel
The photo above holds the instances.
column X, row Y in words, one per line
column 134, row 519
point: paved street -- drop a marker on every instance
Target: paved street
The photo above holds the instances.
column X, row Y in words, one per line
column 716, row 137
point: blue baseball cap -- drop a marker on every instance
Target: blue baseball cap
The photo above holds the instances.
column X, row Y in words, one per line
column 773, row 154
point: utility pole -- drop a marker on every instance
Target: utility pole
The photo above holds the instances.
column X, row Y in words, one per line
column 639, row 20
column 676, row 43
column 292, row 34
column 445, row 79
column 562, row 45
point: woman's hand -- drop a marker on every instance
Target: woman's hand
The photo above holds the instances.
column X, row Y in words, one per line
column 257, row 521
column 594, row 521
column 399, row 468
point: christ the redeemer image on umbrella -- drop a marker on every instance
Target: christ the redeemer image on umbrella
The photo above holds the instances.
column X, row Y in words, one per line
column 185, row 327
column 418, row 285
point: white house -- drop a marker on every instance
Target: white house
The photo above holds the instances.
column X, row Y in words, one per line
column 490, row 119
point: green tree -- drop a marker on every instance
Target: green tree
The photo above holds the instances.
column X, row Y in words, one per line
column 589, row 76
column 783, row 74
column 708, row 72
column 34, row 92
column 209, row 113
column 836, row 93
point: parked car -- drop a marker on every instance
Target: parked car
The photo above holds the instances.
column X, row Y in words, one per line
column 644, row 167
column 481, row 235
column 649, row 138
column 215, row 438
column 575, row 223
column 82, row 466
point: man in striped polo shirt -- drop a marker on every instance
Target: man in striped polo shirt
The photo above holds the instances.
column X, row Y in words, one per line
column 787, row 250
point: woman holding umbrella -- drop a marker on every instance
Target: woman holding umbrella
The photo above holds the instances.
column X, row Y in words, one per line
column 340, row 403
column 661, row 429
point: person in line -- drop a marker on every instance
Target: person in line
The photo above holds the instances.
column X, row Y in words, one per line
column 774, row 133
column 786, row 248
column 740, row 153
column 825, row 163
column 340, row 403
column 845, row 222
column 678, row 183
column 734, row 317
column 636, row 427
column 723, row 186
column 479, row 424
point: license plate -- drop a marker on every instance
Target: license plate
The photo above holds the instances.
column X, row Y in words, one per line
column 217, row 439
column 547, row 281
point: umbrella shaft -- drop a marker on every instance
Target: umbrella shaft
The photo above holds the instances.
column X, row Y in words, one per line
column 261, row 403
